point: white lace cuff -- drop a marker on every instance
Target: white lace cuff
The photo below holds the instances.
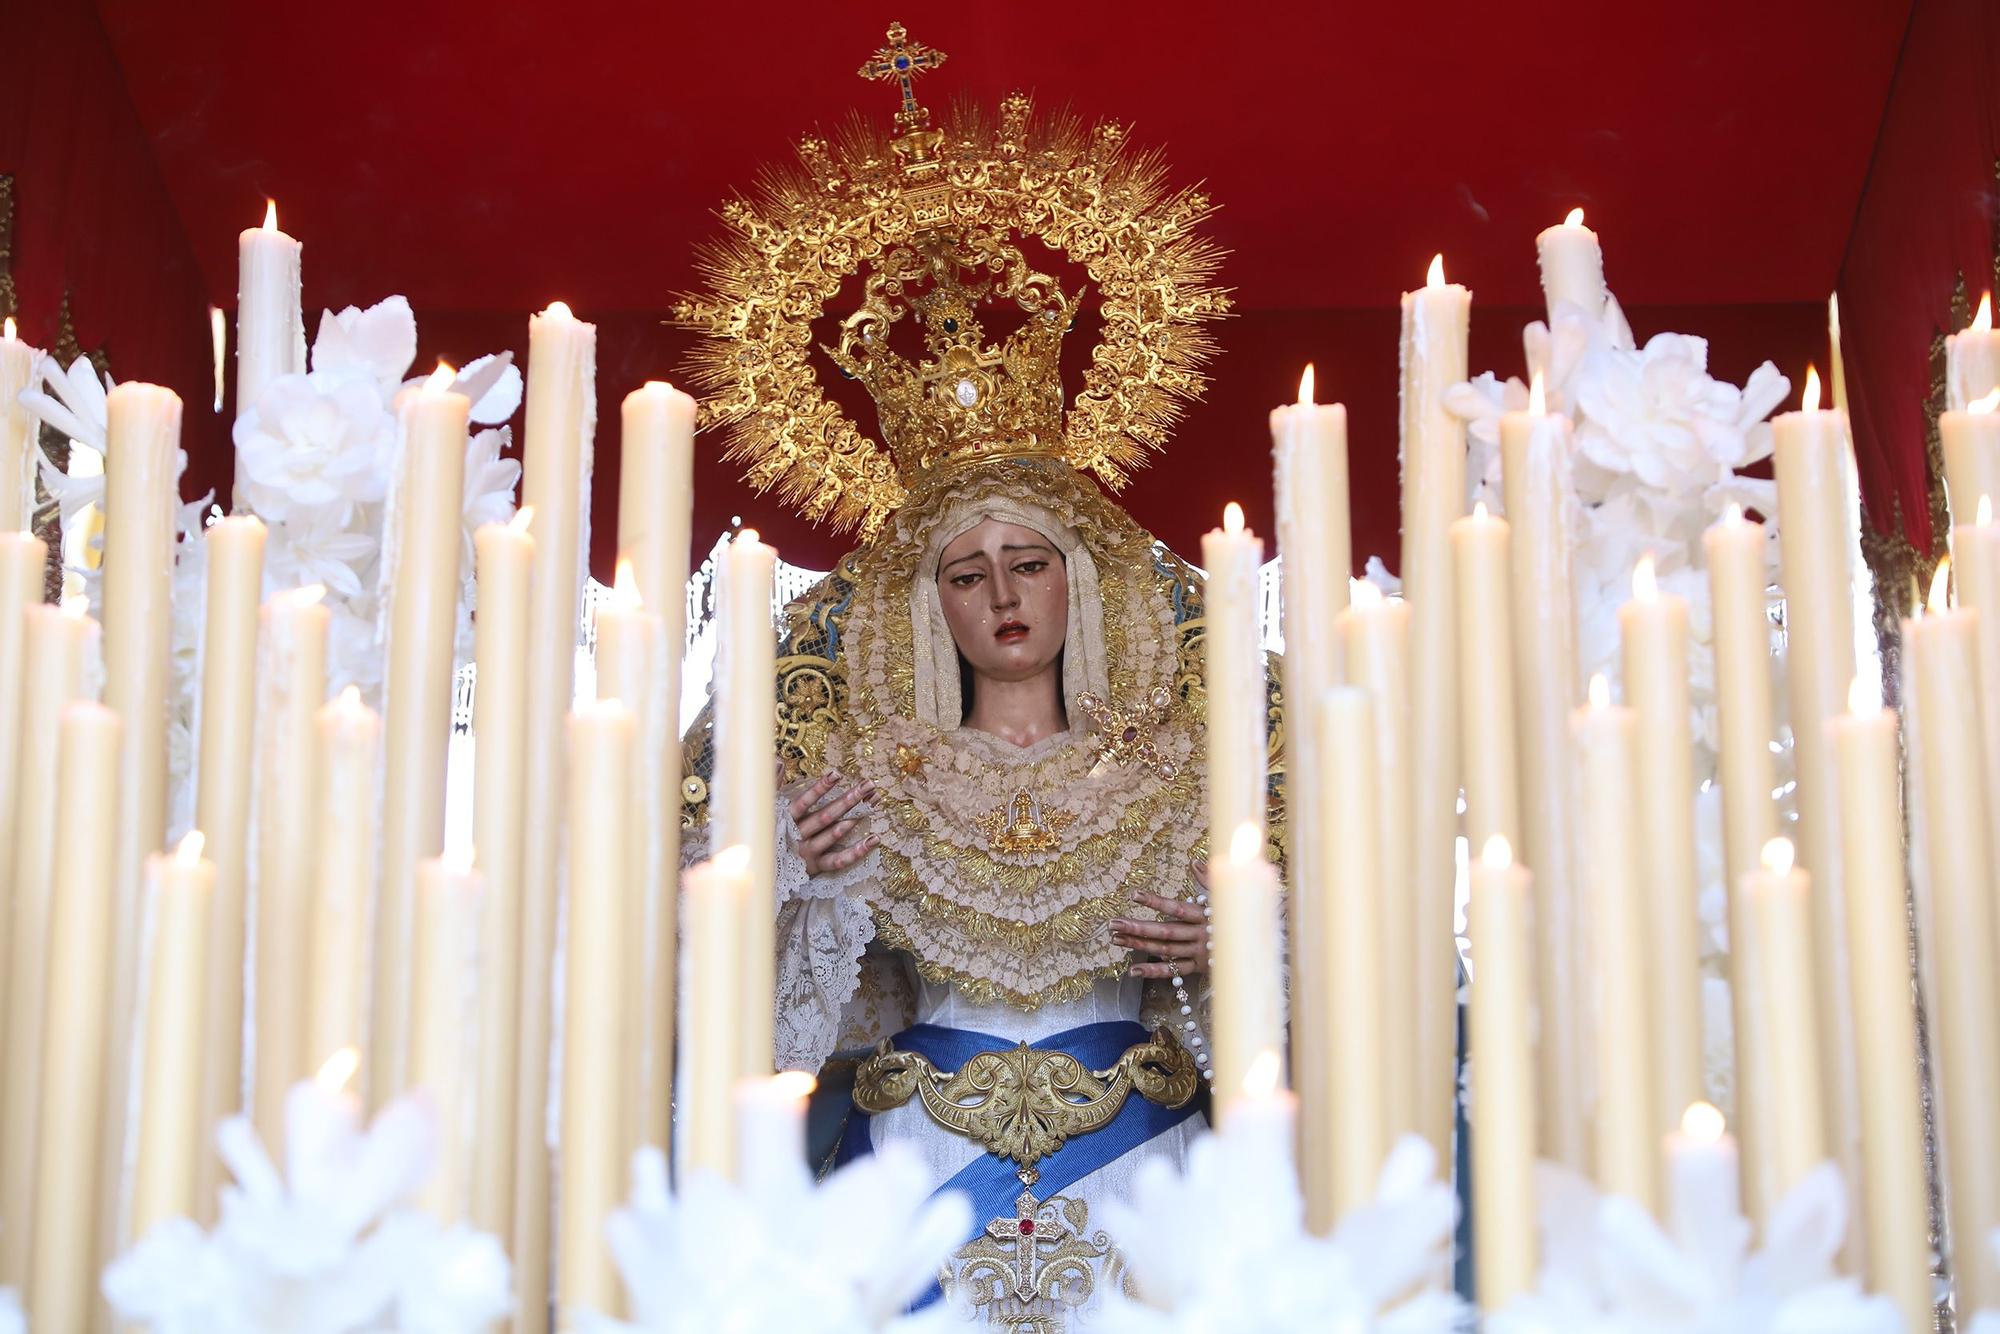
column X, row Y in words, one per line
column 823, row 926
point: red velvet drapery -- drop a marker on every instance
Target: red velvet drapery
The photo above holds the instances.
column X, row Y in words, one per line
column 1927, row 215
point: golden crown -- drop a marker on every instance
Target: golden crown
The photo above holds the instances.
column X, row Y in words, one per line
column 932, row 216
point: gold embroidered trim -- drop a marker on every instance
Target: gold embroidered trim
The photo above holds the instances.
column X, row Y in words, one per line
column 1024, row 1103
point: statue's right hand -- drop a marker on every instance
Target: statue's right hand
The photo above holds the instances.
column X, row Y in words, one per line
column 824, row 826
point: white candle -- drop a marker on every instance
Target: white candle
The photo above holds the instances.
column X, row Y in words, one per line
column 18, row 448
column 223, row 769
column 270, row 328
column 62, row 1283
column 141, row 495
column 1244, row 957
column 422, row 556
column 1811, row 461
column 1572, row 267
column 1654, row 632
column 57, row 659
column 1972, row 359
column 1435, row 323
column 1344, row 1127
column 1970, row 437
column 444, row 1025
column 22, row 559
column 1375, row 639
column 771, row 1136
column 1961, row 884
column 172, row 1134
column 1309, row 456
column 555, row 481
column 744, row 811
column 1702, row 1175
column 593, row 1137
column 292, row 686
column 1779, row 894
column 1259, row 1121
column 1627, row 1133
column 1975, row 549
column 1895, row 1208
column 1486, row 677
column 1234, row 676
column 713, row 896
column 1535, row 451
column 629, row 653
column 1741, row 629
column 504, row 554
column 655, row 511
column 349, row 749
column 1503, row 1110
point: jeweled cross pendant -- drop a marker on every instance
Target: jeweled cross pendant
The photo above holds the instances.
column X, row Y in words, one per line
column 901, row 61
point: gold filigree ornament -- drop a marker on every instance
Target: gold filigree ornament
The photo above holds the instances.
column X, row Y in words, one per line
column 1046, row 1255
column 1127, row 737
column 1024, row 1103
column 1023, row 826
column 934, row 219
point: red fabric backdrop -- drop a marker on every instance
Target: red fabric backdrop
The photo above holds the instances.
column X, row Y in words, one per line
column 1927, row 215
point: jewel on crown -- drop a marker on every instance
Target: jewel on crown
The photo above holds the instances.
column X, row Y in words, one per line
column 967, row 399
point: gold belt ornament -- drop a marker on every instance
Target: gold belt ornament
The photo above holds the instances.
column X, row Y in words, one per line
column 1026, row 1102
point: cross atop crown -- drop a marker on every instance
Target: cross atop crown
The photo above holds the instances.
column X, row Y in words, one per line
column 900, row 62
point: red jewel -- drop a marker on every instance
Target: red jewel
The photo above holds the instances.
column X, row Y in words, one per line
column 1027, row 1227
column 1131, row 733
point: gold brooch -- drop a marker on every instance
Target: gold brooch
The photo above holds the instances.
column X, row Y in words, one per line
column 909, row 761
column 1018, row 828
column 1128, row 738
column 1046, row 1252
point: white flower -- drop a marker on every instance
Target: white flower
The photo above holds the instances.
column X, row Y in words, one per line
column 493, row 383
column 72, row 493
column 1984, row 1322
column 845, row 1258
column 12, row 1321
column 73, row 402
column 1610, row 1269
column 1224, row 1247
column 321, row 544
column 490, row 478
column 323, row 1247
column 315, row 439
column 1658, row 415
column 1481, row 401
column 353, row 653
column 377, row 343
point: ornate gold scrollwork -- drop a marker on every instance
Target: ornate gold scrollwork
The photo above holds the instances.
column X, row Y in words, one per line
column 1025, row 1103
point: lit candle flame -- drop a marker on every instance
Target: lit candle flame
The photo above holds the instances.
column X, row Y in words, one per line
column 1732, row 514
column 1982, row 319
column 1983, row 514
column 1809, row 401
column 1246, row 844
column 188, row 853
column 1980, row 407
column 338, row 1069
column 1365, row 594
column 75, row 602
column 1833, row 317
column 1702, row 1122
column 1645, row 585
column 558, row 310
column 1600, row 691
column 1434, row 276
column 794, row 1084
column 441, row 379
column 1480, row 512
column 1574, row 218
column 350, row 699
column 1498, row 854
column 1779, row 856
column 732, row 860
column 1538, row 396
column 1261, row 1079
column 270, row 215
column 1306, row 384
column 1861, row 698
column 7, row 330
column 747, row 537
column 625, row 586
column 218, row 340
column 522, row 518
column 458, row 860
column 1940, row 600
column 307, row 596
column 1232, row 518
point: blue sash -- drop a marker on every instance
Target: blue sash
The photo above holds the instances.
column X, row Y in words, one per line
column 992, row 1181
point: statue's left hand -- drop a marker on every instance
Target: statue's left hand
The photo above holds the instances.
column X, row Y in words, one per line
column 1180, row 942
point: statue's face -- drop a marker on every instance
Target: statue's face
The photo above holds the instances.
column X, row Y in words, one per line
column 1006, row 598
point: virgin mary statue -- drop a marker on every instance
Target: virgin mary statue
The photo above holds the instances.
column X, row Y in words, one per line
column 990, row 911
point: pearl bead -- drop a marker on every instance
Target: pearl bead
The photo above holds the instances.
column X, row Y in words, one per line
column 1196, row 1040
column 1187, row 1009
column 1189, row 1025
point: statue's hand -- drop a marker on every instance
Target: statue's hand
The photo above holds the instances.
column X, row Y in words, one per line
column 824, row 826
column 1180, row 942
